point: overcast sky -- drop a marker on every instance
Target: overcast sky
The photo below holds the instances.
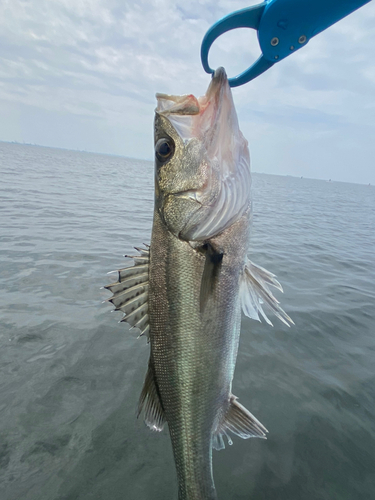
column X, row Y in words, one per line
column 82, row 74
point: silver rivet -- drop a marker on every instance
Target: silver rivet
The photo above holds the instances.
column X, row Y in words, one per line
column 274, row 41
column 292, row 47
column 302, row 39
column 276, row 57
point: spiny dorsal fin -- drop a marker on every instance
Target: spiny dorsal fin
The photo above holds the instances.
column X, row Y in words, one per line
column 130, row 292
column 150, row 402
column 254, row 290
column 240, row 422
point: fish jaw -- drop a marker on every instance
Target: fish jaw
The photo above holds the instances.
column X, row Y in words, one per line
column 205, row 186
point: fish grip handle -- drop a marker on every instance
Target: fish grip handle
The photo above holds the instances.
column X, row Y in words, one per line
column 283, row 27
column 244, row 18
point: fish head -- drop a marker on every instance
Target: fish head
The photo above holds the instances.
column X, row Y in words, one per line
column 202, row 164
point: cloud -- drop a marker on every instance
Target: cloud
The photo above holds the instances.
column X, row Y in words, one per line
column 93, row 66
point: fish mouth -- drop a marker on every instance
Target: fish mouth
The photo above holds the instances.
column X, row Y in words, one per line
column 173, row 107
column 222, row 192
column 210, row 104
column 219, row 74
column 217, row 121
column 218, row 81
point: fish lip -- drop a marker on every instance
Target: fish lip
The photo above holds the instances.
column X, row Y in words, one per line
column 218, row 82
column 220, row 75
column 213, row 103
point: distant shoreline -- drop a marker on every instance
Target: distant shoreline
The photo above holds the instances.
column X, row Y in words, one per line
column 151, row 161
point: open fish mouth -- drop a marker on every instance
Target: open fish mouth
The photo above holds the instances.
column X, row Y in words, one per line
column 193, row 117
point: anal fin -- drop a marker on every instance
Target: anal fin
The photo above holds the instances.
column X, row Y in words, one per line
column 150, row 402
column 240, row 422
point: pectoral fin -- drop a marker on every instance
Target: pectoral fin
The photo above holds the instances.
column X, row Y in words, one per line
column 254, row 290
column 240, row 422
column 210, row 274
column 130, row 292
column 150, row 402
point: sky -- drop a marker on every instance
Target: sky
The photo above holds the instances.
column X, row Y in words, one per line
column 82, row 74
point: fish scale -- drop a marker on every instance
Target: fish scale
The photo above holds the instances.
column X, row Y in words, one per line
column 182, row 345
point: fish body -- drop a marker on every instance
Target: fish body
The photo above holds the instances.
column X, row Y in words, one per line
column 186, row 290
column 193, row 352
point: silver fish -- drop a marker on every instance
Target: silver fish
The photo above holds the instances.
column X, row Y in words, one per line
column 186, row 290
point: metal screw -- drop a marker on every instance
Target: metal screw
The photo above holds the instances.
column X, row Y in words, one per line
column 276, row 57
column 302, row 39
column 292, row 47
column 274, row 41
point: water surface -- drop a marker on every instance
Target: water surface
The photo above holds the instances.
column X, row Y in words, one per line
column 71, row 375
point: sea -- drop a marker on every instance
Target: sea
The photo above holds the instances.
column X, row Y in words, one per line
column 71, row 374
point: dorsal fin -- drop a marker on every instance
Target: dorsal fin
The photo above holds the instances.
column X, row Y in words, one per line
column 240, row 422
column 130, row 292
column 255, row 291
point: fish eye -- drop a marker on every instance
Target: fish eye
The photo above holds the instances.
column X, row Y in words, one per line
column 164, row 149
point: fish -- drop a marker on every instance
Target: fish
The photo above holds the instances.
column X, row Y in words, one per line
column 185, row 291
